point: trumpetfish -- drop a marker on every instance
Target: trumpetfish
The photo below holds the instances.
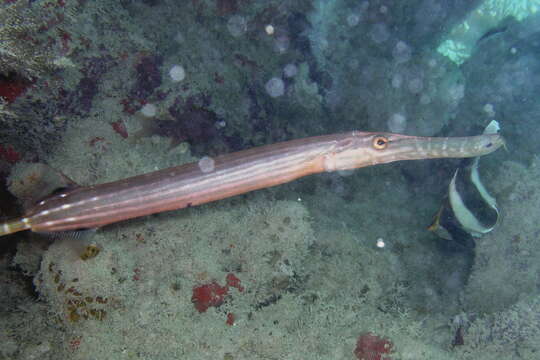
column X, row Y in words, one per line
column 236, row 173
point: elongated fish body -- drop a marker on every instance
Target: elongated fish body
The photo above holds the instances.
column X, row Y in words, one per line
column 233, row 174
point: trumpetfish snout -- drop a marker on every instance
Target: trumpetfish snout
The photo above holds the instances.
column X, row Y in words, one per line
column 234, row 174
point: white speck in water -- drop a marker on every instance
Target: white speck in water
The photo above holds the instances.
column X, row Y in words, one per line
column 281, row 43
column 207, row 164
column 401, row 52
column 397, row 123
column 397, row 80
column 379, row 33
column 290, row 70
column 380, row 243
column 353, row 20
column 489, row 110
column 416, row 85
column 425, row 99
column 177, row 73
column 275, row 87
column 237, row 25
column 149, row 110
column 220, row 124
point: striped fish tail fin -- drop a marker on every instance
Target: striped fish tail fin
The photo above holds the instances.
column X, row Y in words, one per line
column 13, row 226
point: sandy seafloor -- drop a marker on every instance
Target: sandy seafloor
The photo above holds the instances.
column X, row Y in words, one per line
column 293, row 272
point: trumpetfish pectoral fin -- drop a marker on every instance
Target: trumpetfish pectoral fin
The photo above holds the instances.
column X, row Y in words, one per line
column 33, row 182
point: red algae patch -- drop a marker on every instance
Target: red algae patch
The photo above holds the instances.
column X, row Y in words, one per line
column 205, row 296
column 372, row 347
column 213, row 295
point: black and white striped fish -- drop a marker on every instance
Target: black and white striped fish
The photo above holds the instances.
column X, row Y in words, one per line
column 468, row 210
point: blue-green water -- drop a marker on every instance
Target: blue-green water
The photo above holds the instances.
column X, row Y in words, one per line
column 332, row 266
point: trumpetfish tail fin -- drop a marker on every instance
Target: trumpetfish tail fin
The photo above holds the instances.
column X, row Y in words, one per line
column 14, row 225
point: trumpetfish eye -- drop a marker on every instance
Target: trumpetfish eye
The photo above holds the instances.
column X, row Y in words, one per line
column 380, row 142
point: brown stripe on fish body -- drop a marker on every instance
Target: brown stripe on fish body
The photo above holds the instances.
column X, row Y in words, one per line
column 178, row 187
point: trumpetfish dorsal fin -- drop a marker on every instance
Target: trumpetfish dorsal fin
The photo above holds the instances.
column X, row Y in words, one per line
column 30, row 183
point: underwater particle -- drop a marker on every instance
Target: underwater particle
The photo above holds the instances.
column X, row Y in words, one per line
column 275, row 87
column 425, row 99
column 401, row 52
column 353, row 20
column 269, row 29
column 397, row 123
column 416, row 85
column 379, row 33
column 149, row 110
column 206, row 164
column 208, row 295
column 237, row 25
column 489, row 110
column 380, row 243
column 290, row 70
column 456, row 92
column 281, row 43
column 397, row 80
column 220, row 124
column 179, row 38
column 177, row 73
column 371, row 347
